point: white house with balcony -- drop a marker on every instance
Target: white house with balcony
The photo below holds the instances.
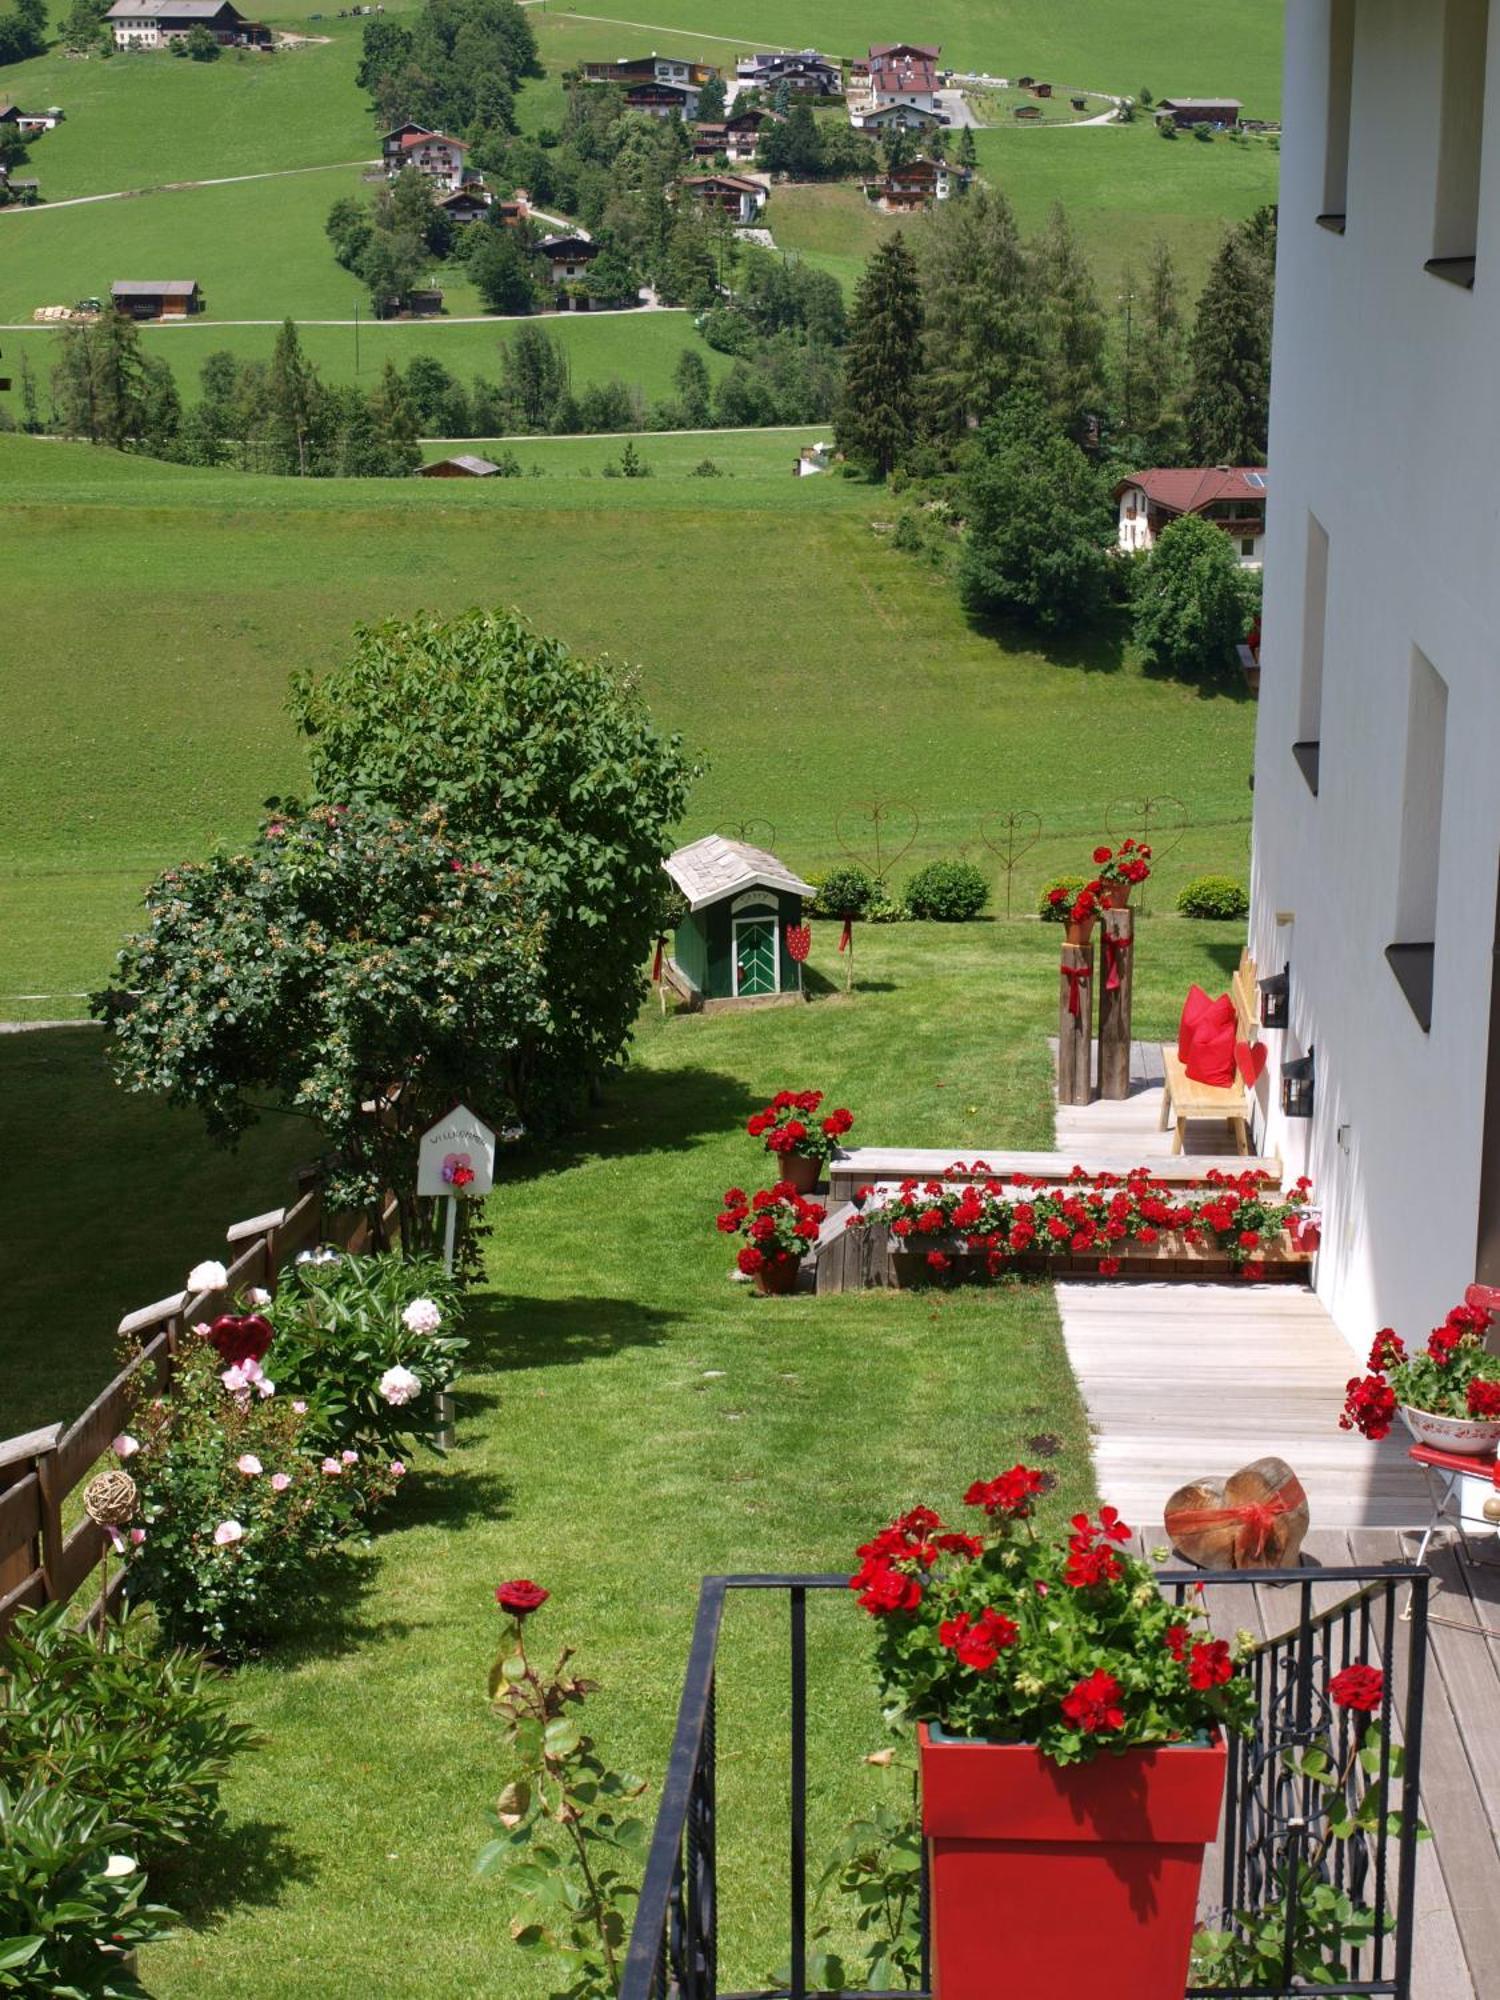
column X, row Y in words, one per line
column 1376, row 858
column 1232, row 497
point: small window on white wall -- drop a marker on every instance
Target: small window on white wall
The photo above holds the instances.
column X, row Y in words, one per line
column 1339, row 113
column 1306, row 747
column 1455, row 229
column 1411, row 956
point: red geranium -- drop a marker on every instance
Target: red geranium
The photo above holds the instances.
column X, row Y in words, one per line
column 520, row 1597
column 1094, row 1704
column 1358, row 1687
column 1010, row 1494
column 785, row 1125
column 1483, row 1398
column 1209, row 1664
column 978, row 1643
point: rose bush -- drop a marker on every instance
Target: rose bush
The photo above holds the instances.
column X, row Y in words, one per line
column 790, row 1124
column 1454, row 1375
column 1000, row 1633
column 779, row 1225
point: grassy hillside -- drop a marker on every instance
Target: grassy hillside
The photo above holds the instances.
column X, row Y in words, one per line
column 813, row 665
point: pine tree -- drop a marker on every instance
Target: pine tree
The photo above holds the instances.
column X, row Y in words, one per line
column 1072, row 328
column 1229, row 404
column 690, row 379
column 295, row 416
column 968, row 154
column 1152, row 361
column 880, row 408
column 982, row 334
column 711, row 102
column 395, row 423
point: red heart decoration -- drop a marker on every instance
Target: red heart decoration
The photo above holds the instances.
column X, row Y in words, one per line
column 799, row 941
column 1250, row 1060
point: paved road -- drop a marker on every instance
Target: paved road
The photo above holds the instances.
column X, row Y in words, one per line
column 455, row 319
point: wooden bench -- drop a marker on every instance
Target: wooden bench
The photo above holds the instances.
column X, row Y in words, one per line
column 1183, row 1100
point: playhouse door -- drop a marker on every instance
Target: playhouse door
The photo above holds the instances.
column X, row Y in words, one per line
column 755, row 956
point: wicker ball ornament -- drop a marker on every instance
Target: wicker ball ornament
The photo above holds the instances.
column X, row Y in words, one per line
column 110, row 1499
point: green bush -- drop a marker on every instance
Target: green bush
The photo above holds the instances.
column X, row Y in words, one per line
column 342, row 1329
column 846, row 891
column 1214, row 896
column 947, row 892
column 143, row 1735
column 70, row 1898
column 238, row 1515
column 884, row 908
column 1056, row 913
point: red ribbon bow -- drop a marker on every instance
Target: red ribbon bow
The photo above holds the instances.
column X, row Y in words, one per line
column 656, row 965
column 846, row 936
column 1255, row 1519
column 1115, row 949
column 1076, row 976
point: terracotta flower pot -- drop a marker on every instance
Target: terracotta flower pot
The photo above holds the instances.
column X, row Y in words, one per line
column 1115, row 895
column 799, row 1170
column 777, row 1277
column 1079, row 933
column 1077, row 1881
column 1475, row 1437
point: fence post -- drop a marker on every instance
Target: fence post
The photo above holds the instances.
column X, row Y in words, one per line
column 1075, row 1025
column 1115, row 988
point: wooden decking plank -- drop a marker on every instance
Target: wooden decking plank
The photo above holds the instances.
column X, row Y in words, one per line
column 1469, row 1664
column 1463, row 1844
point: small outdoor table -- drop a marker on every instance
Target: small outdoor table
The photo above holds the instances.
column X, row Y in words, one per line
column 1461, row 1488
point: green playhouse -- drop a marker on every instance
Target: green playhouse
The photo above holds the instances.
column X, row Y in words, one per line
column 731, row 947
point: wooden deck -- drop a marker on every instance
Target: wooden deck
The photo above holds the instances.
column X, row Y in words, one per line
column 1183, row 1379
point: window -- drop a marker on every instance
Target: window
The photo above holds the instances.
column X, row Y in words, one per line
column 1455, row 229
column 1247, row 545
column 1307, row 746
column 1339, row 112
column 1411, row 956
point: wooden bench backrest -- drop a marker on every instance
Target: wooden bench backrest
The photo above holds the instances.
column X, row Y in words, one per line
column 1246, row 997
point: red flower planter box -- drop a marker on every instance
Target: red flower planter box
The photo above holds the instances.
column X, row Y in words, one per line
column 1071, row 1881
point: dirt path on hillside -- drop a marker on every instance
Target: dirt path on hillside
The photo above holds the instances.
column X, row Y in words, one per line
column 181, row 187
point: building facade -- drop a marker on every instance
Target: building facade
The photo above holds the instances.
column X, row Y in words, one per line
column 1232, row 497
column 1377, row 810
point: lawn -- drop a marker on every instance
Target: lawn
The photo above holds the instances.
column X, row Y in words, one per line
column 630, row 1421
column 812, row 665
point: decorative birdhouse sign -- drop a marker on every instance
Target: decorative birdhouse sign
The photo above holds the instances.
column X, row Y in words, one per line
column 456, row 1156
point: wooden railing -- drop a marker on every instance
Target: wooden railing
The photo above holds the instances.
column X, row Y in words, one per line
column 41, row 1560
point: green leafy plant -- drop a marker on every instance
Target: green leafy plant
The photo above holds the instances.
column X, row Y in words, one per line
column 1214, row 896
column 846, row 891
column 568, row 1841
column 237, row 1514
column 116, row 1723
column 1191, row 604
column 70, row 1898
column 1052, row 908
column 1065, row 1643
column 877, row 1862
column 365, row 1342
column 947, row 892
column 1454, row 1375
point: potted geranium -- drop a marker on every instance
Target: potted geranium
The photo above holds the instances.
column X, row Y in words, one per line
column 1121, row 869
column 1070, row 1725
column 1448, row 1392
column 1080, row 909
column 779, row 1227
column 800, row 1141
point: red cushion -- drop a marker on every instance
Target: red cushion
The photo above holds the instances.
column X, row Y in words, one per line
column 1194, row 1008
column 1210, row 1053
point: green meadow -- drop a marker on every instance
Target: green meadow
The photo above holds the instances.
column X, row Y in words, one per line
column 813, row 666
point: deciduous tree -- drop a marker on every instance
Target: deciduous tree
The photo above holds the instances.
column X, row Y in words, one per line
column 1191, row 601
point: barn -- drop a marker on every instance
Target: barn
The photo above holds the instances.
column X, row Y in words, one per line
column 156, row 298
column 731, row 944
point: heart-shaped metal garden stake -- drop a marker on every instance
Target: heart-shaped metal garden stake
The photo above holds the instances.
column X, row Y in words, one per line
column 874, row 828
column 754, row 832
column 1010, row 835
column 1161, row 821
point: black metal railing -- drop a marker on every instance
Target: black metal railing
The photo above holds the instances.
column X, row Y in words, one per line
column 1274, row 1816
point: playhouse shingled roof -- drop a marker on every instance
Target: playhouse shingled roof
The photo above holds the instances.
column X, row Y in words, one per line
column 709, row 869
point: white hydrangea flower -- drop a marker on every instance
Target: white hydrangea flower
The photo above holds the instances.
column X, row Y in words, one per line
column 422, row 1316
column 399, row 1385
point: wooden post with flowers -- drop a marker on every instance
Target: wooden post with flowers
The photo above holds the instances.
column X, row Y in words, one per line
column 1117, row 957
column 1075, row 1020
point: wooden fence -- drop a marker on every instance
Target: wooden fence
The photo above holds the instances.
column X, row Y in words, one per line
column 41, row 1562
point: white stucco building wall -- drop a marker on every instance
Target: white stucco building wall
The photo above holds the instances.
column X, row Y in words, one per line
column 1385, row 420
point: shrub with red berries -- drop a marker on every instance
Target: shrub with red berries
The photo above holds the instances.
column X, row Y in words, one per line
column 998, row 1630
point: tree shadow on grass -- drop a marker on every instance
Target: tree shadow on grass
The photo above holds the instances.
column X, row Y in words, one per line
column 644, row 1111
column 1222, row 684
column 243, row 1863
column 335, row 1623
column 451, row 1497
column 1098, row 648
column 1225, row 955
column 505, row 1331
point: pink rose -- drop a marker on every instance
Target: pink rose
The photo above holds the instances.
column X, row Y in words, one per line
column 332, row 1467
column 280, row 1481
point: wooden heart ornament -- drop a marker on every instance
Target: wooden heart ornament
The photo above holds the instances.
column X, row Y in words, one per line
column 1255, row 1519
column 1250, row 1061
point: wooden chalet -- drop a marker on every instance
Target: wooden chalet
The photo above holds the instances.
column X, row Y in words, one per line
column 737, row 196
column 568, row 257
column 156, row 298
column 152, row 24
column 737, row 137
column 1223, row 112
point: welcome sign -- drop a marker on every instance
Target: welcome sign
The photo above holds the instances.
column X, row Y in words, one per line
column 457, row 1155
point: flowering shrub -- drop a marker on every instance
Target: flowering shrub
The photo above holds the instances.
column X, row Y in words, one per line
column 992, row 1222
column 1125, row 866
column 368, row 1344
column 1070, row 906
column 1000, row 1633
column 115, row 1722
column 778, row 1224
column 790, row 1124
column 237, row 1510
column 1452, row 1376
column 567, row 1839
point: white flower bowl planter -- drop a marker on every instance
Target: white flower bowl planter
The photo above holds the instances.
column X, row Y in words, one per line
column 1471, row 1437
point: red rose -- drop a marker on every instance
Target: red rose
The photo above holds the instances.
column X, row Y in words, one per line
column 1359, row 1687
column 1094, row 1704
column 1109, row 1267
column 520, row 1597
column 237, row 1339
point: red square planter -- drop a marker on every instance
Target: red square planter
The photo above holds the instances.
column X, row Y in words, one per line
column 1071, row 1882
